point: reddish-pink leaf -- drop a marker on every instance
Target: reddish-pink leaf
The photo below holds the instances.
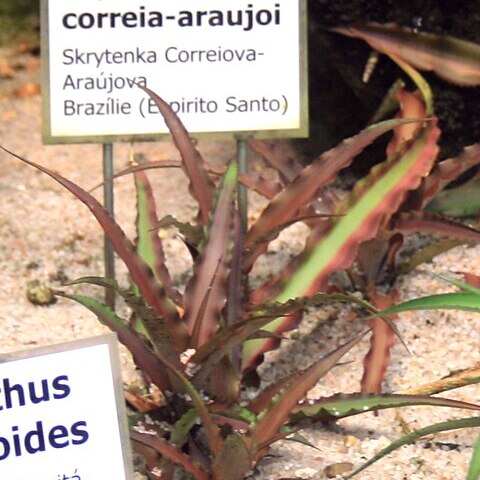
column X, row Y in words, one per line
column 274, row 418
column 471, row 279
column 411, row 106
column 431, row 223
column 140, row 272
column 383, row 337
column 205, row 294
column 264, row 399
column 171, row 452
column 442, row 174
column 457, row 61
column 266, row 188
column 201, row 186
column 302, row 190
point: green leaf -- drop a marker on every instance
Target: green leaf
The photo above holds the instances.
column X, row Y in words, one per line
column 448, row 301
column 474, row 468
column 464, row 286
column 182, row 427
column 419, row 81
column 148, row 244
column 461, row 201
column 415, row 435
column 346, row 405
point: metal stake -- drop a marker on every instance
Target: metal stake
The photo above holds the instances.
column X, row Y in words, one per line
column 242, row 154
column 108, row 203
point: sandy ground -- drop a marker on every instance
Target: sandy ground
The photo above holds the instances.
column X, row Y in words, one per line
column 47, row 235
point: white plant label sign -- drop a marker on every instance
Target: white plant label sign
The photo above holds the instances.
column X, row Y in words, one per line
column 62, row 415
column 223, row 66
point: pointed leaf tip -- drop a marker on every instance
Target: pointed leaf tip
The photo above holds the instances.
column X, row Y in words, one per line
column 201, row 186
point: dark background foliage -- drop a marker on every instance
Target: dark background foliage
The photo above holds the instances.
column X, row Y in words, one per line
column 341, row 105
column 19, row 21
column 18, row 7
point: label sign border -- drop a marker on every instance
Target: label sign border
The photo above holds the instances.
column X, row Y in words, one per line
column 49, row 139
column 111, row 341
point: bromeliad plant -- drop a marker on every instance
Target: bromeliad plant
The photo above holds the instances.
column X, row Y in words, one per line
column 197, row 347
column 374, row 258
column 378, row 260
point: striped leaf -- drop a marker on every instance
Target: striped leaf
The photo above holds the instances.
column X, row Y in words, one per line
column 148, row 244
column 345, row 405
column 141, row 274
column 201, row 186
column 205, row 294
column 152, row 326
column 452, row 59
column 286, row 205
column 367, row 209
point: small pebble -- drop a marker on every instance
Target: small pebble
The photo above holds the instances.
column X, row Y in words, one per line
column 39, row 294
column 351, row 441
column 337, row 469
